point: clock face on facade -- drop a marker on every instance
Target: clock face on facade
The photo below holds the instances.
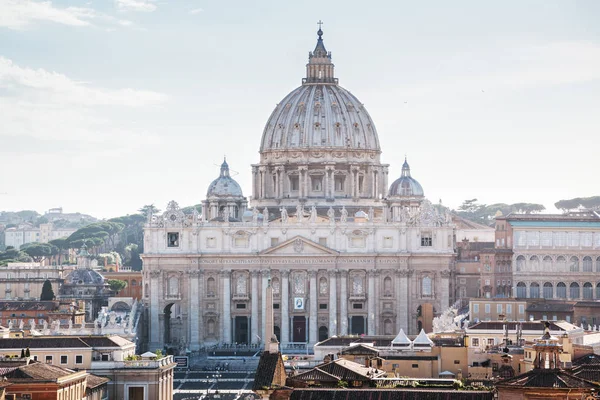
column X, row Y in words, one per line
column 173, row 217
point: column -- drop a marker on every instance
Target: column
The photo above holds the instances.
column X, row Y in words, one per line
column 263, row 320
column 254, row 305
column 445, row 290
column 155, row 340
column 226, row 334
column 356, row 180
column 326, row 183
column 280, row 181
column 312, row 323
column 255, row 181
column 194, row 310
column 300, row 185
column 285, row 308
column 352, row 182
column 332, row 303
column 371, row 303
column 332, row 183
column 385, row 182
column 343, row 302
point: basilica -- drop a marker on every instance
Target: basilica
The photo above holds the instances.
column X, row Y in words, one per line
column 345, row 251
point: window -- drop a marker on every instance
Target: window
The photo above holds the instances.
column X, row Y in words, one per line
column 509, row 308
column 339, row 183
column 560, row 239
column 274, row 241
column 561, row 290
column 317, row 183
column 240, row 306
column 574, row 290
column 534, row 290
column 173, row 239
column 491, row 341
column 426, row 289
column 322, row 306
column 588, row 291
column 487, row 308
column 104, row 357
column 533, row 239
column 78, row 359
column 323, row 241
column 64, row 359
column 475, row 308
column 587, row 264
column 276, row 306
column 388, row 242
column 294, row 183
column 48, row 359
column 357, row 306
column 475, row 342
column 499, row 308
column 547, row 291
column 573, row 239
column 456, row 361
column 426, row 239
column 574, row 264
column 520, row 263
column 415, row 365
column 211, row 242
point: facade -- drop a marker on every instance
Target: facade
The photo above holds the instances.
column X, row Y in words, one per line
column 18, row 236
column 133, row 279
column 24, row 281
column 346, row 252
column 498, row 309
column 13, row 312
column 555, row 256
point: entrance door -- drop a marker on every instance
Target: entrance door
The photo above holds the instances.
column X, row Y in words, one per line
column 299, row 326
column 357, row 325
column 241, row 330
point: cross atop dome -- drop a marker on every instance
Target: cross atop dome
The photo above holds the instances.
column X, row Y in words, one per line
column 319, row 68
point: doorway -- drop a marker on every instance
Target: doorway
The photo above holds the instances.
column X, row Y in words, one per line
column 241, row 329
column 357, row 325
column 299, row 326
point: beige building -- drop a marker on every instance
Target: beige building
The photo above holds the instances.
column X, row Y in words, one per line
column 347, row 252
column 497, row 309
column 24, row 281
column 23, row 234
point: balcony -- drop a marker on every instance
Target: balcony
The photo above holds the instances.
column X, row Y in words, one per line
column 173, row 297
column 241, row 297
column 358, row 296
column 135, row 364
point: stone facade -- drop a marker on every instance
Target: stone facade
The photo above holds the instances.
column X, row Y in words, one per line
column 342, row 257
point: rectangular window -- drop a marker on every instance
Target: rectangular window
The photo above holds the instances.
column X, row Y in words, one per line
column 339, row 183
column 64, row 359
column 487, row 308
column 322, row 306
column 456, row 361
column 323, row 241
column 554, row 318
column 573, row 239
column 586, row 239
column 499, row 308
column 491, row 341
column 475, row 342
column 415, row 365
column 533, row 239
column 78, row 359
column 509, row 308
column 475, row 308
column 357, row 306
column 560, row 239
column 48, row 359
column 35, row 358
column 317, row 183
column 294, row 183
column 173, row 239
column 276, row 306
column 388, row 242
column 274, row 241
column 211, row 242
column 426, row 239
column 104, row 357
column 521, row 308
column 240, row 306
column 546, row 239
column 568, row 318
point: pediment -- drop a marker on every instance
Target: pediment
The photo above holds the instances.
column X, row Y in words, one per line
column 300, row 246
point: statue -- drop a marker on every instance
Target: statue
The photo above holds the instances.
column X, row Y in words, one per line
column 10, row 324
column 255, row 215
column 32, row 324
column 344, row 215
column 265, row 215
column 45, row 325
column 21, row 325
column 284, row 215
column 299, row 213
column 149, row 215
column 226, row 214
column 313, row 214
column 371, row 214
column 331, row 215
column 70, row 325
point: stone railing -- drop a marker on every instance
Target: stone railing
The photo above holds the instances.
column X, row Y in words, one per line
column 145, row 364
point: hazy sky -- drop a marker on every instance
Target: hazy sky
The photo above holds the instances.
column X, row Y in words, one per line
column 107, row 105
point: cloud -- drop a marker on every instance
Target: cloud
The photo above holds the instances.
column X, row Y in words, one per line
column 196, row 11
column 136, row 5
column 49, row 106
column 19, row 14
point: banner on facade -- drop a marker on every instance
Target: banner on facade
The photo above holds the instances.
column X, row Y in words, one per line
column 298, row 303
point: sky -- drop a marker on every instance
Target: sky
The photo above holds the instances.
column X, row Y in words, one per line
column 108, row 105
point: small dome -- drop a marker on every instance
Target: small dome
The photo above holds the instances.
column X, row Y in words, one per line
column 224, row 185
column 406, row 185
column 84, row 276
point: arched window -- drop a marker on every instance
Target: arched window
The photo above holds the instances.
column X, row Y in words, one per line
column 548, row 290
column 211, row 287
column 534, row 263
column 561, row 264
column 574, row 290
column 547, row 263
column 426, row 289
column 588, row 291
column 520, row 263
column 574, row 264
column 561, row 290
column 387, row 327
column 598, row 263
column 387, row 286
column 323, row 333
column 587, row 264
column 534, row 290
column 598, row 291
column 521, row 290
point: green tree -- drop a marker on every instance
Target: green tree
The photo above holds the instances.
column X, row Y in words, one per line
column 38, row 251
column 190, row 209
column 47, row 291
column 27, row 352
column 62, row 245
column 147, row 208
column 578, row 202
column 116, row 285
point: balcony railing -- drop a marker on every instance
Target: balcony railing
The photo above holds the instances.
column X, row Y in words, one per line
column 134, row 364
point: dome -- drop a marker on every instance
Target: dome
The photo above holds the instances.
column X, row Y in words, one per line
column 84, row 276
column 224, row 185
column 406, row 185
column 319, row 114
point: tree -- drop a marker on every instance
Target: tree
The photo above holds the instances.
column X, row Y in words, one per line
column 116, row 285
column 22, row 353
column 47, row 291
column 27, row 352
column 190, row 209
column 147, row 208
column 61, row 244
column 579, row 202
column 38, row 251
